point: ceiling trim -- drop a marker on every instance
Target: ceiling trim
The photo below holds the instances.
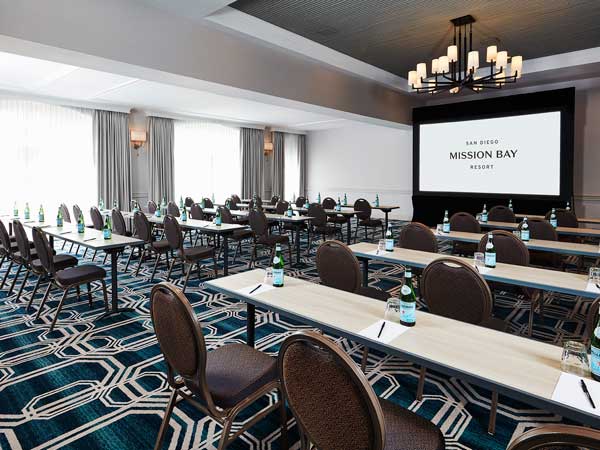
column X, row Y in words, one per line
column 251, row 26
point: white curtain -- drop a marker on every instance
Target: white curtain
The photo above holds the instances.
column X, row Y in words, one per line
column 292, row 166
column 206, row 160
column 47, row 154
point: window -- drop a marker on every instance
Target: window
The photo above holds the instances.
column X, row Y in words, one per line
column 47, row 156
column 292, row 166
column 207, row 160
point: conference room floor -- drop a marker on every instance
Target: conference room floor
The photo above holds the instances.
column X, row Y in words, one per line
column 103, row 385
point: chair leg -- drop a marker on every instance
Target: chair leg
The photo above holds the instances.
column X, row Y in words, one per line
column 493, row 411
column 225, row 434
column 253, row 256
column 170, row 269
column 43, row 302
column 10, row 264
column 289, row 246
column 27, row 272
column 187, row 275
column 283, row 420
column 237, row 248
column 421, row 385
column 60, row 305
column 37, row 285
column 128, row 260
column 139, row 262
column 365, row 357
column 214, row 265
column 158, row 256
column 14, row 281
column 165, row 422
column 89, row 293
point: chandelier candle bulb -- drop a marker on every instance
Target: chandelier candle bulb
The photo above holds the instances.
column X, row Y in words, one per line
column 453, row 53
column 422, row 70
column 473, row 60
column 434, row 66
column 412, row 77
column 492, row 52
column 516, row 66
column 443, row 64
column 502, row 59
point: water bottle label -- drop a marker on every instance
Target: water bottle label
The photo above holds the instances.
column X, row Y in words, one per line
column 41, row 218
column 554, row 222
column 290, row 213
column 157, row 213
column 218, row 221
column 389, row 245
column 80, row 228
column 26, row 215
column 59, row 223
column 276, row 260
column 106, row 234
column 490, row 259
column 595, row 360
column 484, row 217
column 525, row 235
column 277, row 275
column 407, row 312
column 446, row 227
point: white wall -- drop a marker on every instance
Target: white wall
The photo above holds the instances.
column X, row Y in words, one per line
column 362, row 160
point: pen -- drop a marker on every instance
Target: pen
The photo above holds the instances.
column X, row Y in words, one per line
column 587, row 393
column 381, row 329
column 477, row 269
column 255, row 288
column 65, row 232
column 90, row 239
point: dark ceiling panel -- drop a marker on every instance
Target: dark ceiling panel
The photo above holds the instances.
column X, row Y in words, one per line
column 394, row 35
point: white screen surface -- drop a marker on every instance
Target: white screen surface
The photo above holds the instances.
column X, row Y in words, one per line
column 504, row 155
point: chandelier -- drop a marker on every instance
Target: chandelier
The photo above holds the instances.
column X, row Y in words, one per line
column 459, row 68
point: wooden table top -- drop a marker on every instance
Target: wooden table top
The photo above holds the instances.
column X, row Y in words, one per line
column 533, row 277
column 579, row 219
column 204, row 225
column 521, row 368
column 588, row 232
column 565, row 248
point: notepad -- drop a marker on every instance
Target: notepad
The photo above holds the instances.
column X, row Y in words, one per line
column 591, row 287
column 263, row 288
column 484, row 270
column 377, row 252
column 390, row 332
column 568, row 392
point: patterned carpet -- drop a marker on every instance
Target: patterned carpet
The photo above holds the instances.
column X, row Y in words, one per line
column 101, row 385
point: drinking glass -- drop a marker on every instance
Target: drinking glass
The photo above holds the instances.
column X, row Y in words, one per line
column 439, row 229
column 479, row 259
column 392, row 310
column 478, row 217
column 268, row 275
column 517, row 233
column 380, row 246
column 575, row 359
column 594, row 275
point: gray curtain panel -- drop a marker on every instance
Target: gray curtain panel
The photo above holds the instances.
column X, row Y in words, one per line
column 111, row 145
column 161, row 139
column 278, row 164
column 252, row 145
column 302, row 162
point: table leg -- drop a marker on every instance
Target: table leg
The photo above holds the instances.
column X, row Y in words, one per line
column 225, row 255
column 114, row 286
column 386, row 219
column 298, row 228
column 348, row 230
column 250, row 325
column 365, row 272
column 51, row 241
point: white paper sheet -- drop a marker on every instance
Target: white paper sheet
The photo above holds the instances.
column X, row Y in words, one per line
column 591, row 287
column 568, row 391
column 484, row 270
column 263, row 288
column 390, row 332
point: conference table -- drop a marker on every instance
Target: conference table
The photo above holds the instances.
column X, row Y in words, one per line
column 526, row 276
column 386, row 209
column 567, row 231
column 565, row 248
column 94, row 240
column 347, row 213
column 590, row 220
column 520, row 368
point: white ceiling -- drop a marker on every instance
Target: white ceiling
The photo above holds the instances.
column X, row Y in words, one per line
column 36, row 77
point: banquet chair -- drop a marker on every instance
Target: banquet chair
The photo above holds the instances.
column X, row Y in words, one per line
column 300, row 201
column 557, row 437
column 363, row 218
column 501, row 213
column 543, row 230
column 262, row 236
column 238, row 235
column 463, row 221
column 97, row 222
column 189, row 201
column 319, row 225
column 173, row 209
column 208, row 203
column 143, row 231
column 66, row 219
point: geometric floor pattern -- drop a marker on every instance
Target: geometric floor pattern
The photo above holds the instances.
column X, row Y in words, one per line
column 101, row 384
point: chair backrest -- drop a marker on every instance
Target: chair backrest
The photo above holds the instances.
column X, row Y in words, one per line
column 208, row 202
column 76, row 213
column 557, row 437
column 5, row 239
column 501, row 213
column 463, row 221
column 509, row 248
column 319, row 217
column 43, row 249
column 97, row 220
column 173, row 209
column 143, row 229
column 364, row 209
column 564, row 218
column 65, row 213
column 592, row 318
column 22, row 241
column 196, row 212
column 328, row 203
column 226, row 216
column 173, row 232
column 236, row 198
column 118, row 222
column 416, row 236
column 329, row 396
column 258, row 203
column 338, row 267
column 233, row 204
column 541, row 229
column 180, row 339
column 300, row 201
column 274, row 199
column 281, row 207
column 152, row 206
column 188, row 202
column 454, row 289
column 258, row 222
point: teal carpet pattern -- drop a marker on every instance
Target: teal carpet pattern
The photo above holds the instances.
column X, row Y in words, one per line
column 102, row 385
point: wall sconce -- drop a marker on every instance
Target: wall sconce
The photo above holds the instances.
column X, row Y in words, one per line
column 268, row 148
column 137, row 138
